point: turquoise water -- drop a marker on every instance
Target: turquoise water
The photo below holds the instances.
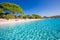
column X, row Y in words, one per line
column 48, row 29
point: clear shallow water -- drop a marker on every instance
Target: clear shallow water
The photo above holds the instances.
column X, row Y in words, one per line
column 37, row 30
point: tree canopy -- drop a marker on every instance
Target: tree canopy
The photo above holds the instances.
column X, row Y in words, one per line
column 11, row 7
column 9, row 16
column 36, row 16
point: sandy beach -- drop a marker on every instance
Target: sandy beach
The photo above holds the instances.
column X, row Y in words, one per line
column 10, row 21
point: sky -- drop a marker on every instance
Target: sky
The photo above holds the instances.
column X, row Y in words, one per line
column 40, row 7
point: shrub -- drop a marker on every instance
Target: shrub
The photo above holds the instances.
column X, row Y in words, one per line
column 9, row 16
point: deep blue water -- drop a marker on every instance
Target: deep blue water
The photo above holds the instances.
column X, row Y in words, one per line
column 48, row 29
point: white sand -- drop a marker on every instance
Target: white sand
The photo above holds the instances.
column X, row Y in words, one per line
column 12, row 21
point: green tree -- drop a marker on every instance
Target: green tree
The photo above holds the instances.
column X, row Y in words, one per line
column 9, row 16
column 35, row 16
column 1, row 13
column 28, row 16
column 12, row 7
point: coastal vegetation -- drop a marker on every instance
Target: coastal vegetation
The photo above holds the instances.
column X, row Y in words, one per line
column 10, row 11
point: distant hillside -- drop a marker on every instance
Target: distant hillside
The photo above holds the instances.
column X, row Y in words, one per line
column 57, row 16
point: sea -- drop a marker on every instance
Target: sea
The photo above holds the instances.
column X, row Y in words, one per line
column 47, row 29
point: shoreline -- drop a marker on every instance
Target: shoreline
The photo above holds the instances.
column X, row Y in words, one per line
column 13, row 21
